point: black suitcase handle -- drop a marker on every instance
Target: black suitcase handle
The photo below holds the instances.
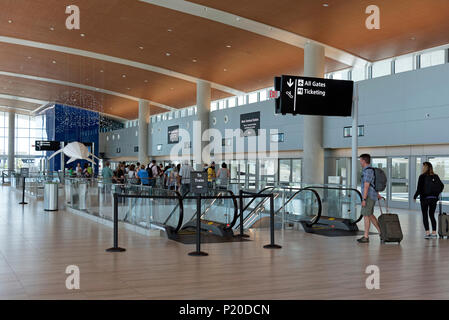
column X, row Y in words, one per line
column 380, row 206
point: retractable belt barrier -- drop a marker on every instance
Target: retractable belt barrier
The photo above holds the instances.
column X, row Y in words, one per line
column 242, row 195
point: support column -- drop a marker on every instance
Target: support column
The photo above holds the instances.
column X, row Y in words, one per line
column 313, row 172
column 355, row 136
column 203, row 96
column 11, row 140
column 144, row 116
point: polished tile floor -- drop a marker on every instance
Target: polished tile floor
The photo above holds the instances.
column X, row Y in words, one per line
column 37, row 246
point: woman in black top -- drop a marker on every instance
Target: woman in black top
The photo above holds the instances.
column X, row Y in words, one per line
column 429, row 189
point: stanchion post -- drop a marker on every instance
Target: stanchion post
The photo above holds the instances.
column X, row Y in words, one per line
column 116, row 248
column 23, row 192
column 241, row 209
column 272, row 245
column 198, row 251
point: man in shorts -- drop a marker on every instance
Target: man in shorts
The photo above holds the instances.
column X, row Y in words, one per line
column 369, row 196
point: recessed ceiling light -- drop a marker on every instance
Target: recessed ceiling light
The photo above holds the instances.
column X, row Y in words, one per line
column 9, row 21
column 97, row 89
column 171, row 88
column 28, row 57
column 413, row 38
column 228, row 46
column 141, row 48
column 52, row 28
column 101, row 70
column 194, row 60
column 238, row 18
column 128, row 88
column 145, row 81
column 325, row 5
column 167, row 54
column 54, row 61
column 82, row 34
column 169, row 30
column 225, row 70
column 123, row 75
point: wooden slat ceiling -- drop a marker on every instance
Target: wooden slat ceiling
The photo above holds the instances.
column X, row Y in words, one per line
column 342, row 23
column 18, row 104
column 119, row 28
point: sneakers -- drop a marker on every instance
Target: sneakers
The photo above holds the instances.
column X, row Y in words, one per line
column 363, row 240
column 433, row 236
column 427, row 236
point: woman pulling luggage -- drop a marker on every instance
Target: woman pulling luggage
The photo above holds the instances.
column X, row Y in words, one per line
column 428, row 190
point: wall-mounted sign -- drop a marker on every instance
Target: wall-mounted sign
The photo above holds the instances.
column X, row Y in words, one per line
column 27, row 160
column 173, row 134
column 198, row 182
column 136, row 149
column 118, row 150
column 47, row 145
column 314, row 96
column 250, row 123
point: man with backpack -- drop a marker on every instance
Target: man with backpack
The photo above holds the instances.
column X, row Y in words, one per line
column 153, row 173
column 369, row 196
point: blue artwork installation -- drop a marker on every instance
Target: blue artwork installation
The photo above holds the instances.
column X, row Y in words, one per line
column 69, row 124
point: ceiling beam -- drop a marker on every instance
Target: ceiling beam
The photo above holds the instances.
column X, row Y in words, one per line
column 255, row 27
column 103, row 57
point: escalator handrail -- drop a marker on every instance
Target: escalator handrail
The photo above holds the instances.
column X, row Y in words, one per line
column 180, row 205
column 340, row 188
column 317, row 196
column 249, row 203
column 234, row 200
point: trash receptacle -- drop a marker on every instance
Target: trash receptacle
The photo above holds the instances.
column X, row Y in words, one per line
column 51, row 196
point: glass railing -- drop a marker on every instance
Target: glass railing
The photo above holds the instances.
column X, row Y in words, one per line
column 96, row 197
column 339, row 202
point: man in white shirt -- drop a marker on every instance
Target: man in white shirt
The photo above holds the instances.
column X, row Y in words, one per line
column 184, row 176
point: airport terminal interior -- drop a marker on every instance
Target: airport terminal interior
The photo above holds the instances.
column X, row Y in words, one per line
column 214, row 150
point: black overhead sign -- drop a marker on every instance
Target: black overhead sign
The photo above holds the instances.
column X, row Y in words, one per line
column 24, row 172
column 173, row 134
column 314, row 96
column 47, row 145
column 198, row 182
column 250, row 123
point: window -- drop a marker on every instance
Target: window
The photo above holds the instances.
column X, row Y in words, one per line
column 433, row 58
column 213, row 106
column 403, row 64
column 241, row 100
column 341, row 75
column 183, row 112
column 277, row 137
column 159, row 147
column 231, row 102
column 252, row 97
column 358, row 74
column 263, row 95
column 381, row 68
column 347, row 131
column 221, row 104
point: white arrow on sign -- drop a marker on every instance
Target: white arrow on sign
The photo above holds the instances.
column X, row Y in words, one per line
column 290, row 82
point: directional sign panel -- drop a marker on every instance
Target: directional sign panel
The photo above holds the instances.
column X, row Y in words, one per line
column 47, row 145
column 315, row 96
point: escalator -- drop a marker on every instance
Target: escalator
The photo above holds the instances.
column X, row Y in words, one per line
column 340, row 209
column 218, row 215
column 291, row 205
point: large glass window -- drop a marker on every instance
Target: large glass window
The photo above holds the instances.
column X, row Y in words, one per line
column 358, row 73
column 433, row 58
column 381, row 68
column 403, row 64
column 284, row 170
column 399, row 179
column 296, row 170
column 440, row 166
column 252, row 97
column 341, row 75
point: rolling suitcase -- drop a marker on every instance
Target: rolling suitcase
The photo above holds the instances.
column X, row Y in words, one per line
column 390, row 227
column 443, row 223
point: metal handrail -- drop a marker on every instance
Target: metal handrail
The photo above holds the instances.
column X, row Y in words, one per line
column 325, row 187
